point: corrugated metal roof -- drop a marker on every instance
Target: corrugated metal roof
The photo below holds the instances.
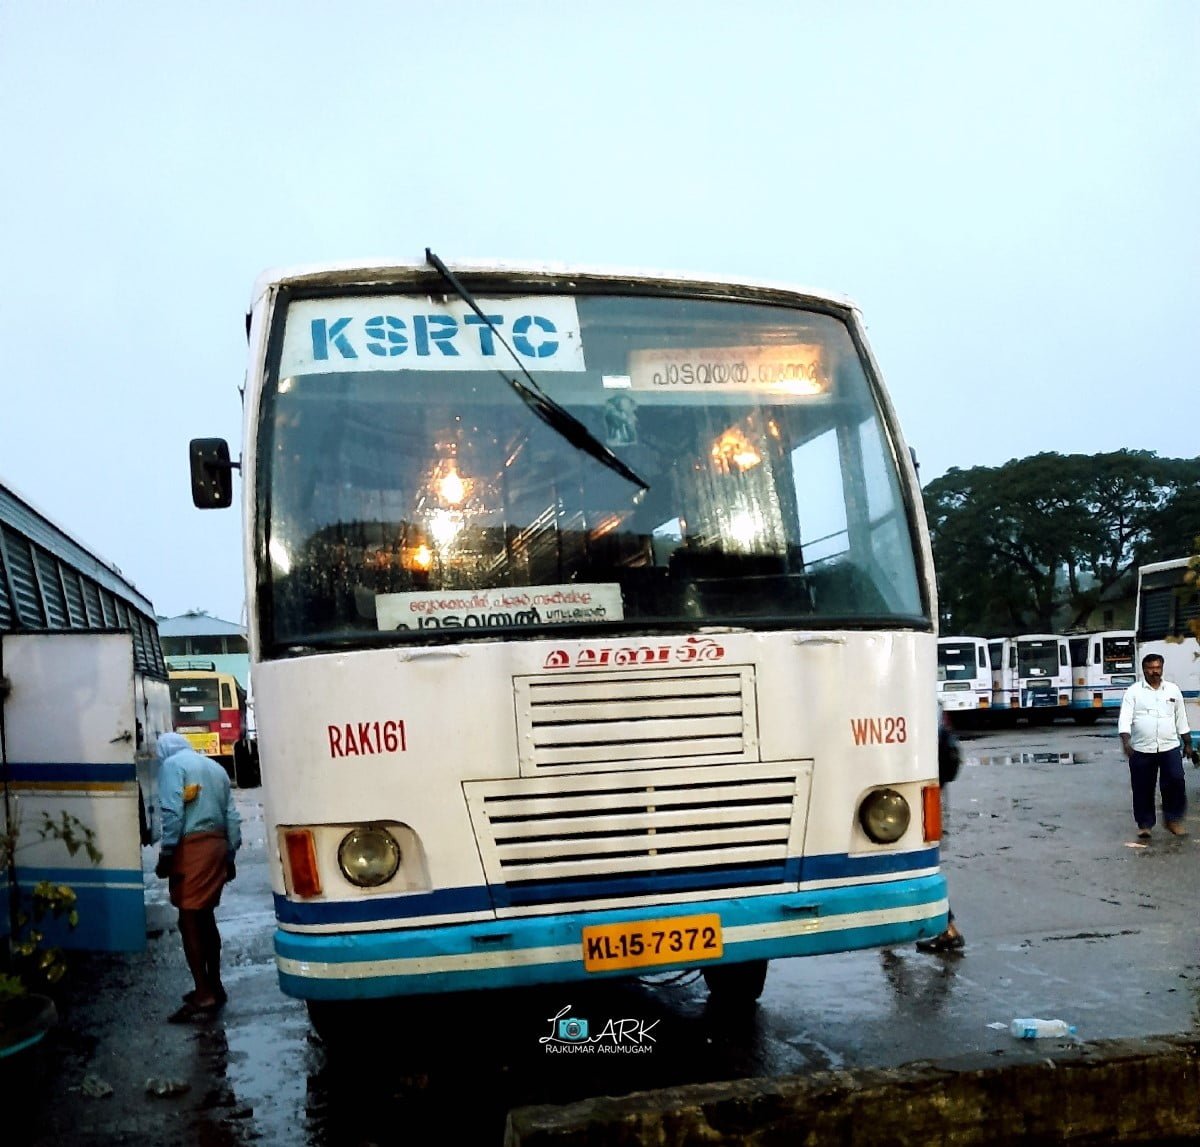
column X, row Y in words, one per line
column 16, row 512
column 198, row 625
column 50, row 581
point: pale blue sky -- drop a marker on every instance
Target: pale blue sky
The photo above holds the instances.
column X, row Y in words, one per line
column 1008, row 190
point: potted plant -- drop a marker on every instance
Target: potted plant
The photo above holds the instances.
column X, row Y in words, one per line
column 29, row 967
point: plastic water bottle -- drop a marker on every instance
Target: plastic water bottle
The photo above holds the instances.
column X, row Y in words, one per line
column 1040, row 1029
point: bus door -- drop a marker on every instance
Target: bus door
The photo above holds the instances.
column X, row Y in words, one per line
column 1003, row 655
column 68, row 745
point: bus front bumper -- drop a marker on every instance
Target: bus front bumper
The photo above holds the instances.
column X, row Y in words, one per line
column 508, row 953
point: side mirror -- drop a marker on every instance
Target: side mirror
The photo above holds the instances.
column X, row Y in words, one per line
column 212, row 473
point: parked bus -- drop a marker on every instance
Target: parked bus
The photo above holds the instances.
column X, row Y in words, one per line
column 964, row 674
column 1006, row 690
column 1102, row 668
column 591, row 626
column 1168, row 624
column 1043, row 675
column 208, row 706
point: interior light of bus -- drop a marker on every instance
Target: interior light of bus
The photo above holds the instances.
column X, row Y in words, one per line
column 419, row 558
column 451, row 486
column 445, row 526
column 884, row 815
column 734, row 449
column 302, row 861
column 369, row 856
column 931, row 808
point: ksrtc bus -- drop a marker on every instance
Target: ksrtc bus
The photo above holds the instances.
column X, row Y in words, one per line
column 1168, row 624
column 1006, row 689
column 1103, row 666
column 1043, row 675
column 208, row 707
column 964, row 672
column 591, row 629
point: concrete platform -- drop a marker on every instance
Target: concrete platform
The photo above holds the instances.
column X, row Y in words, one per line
column 1109, row 1091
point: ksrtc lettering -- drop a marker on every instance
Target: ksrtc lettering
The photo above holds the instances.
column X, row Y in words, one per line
column 389, row 336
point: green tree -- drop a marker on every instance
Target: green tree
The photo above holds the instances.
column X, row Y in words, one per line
column 1015, row 544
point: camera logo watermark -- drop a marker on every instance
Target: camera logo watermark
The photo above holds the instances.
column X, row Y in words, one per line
column 572, row 1035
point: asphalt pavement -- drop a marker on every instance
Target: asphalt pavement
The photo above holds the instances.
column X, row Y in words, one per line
column 1066, row 913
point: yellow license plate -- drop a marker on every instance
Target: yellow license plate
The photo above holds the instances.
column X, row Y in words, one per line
column 639, row 943
column 207, row 743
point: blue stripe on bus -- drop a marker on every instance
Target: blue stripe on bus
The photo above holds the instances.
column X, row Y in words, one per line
column 502, row 938
column 110, row 919
column 18, row 771
column 445, row 902
column 520, row 893
column 86, row 873
column 840, row 866
column 459, row 900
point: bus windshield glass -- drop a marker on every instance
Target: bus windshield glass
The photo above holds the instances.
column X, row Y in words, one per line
column 1118, row 654
column 956, row 663
column 410, row 493
column 1037, row 659
column 194, row 700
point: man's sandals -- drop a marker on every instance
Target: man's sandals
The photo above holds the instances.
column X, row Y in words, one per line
column 943, row 943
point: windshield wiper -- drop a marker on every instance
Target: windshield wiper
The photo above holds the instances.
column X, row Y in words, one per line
column 556, row 417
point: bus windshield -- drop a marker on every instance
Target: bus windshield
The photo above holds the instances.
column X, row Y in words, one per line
column 409, row 494
column 1037, row 659
column 956, row 663
column 1118, row 654
column 194, row 700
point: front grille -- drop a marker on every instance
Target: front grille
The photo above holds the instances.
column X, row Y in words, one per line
column 605, row 829
column 661, row 718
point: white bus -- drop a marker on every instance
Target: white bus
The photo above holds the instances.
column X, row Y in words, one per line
column 591, row 627
column 1168, row 623
column 1043, row 675
column 1006, row 690
column 1103, row 666
column 964, row 674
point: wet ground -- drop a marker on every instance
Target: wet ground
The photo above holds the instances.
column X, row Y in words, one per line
column 1066, row 915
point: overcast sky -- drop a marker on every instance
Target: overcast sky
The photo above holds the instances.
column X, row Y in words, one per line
column 1010, row 191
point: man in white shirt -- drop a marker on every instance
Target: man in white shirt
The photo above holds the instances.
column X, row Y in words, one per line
column 1155, row 735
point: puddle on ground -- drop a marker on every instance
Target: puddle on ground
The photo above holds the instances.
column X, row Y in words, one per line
column 1032, row 759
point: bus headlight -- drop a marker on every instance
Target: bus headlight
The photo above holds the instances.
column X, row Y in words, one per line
column 369, row 856
column 884, row 816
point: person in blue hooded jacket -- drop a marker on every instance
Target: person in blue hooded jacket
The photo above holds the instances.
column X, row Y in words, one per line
column 201, row 833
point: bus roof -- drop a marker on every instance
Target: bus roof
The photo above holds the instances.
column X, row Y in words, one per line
column 1155, row 567
column 361, row 272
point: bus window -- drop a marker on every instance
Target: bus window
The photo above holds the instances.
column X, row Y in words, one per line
column 1117, row 654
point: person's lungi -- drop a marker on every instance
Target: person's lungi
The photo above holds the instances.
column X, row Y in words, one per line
column 198, row 870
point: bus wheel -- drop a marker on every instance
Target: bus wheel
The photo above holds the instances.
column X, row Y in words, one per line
column 246, row 772
column 736, row 983
column 338, row 1022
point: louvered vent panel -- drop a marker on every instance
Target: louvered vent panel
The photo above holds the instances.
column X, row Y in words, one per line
column 25, row 588
column 52, row 590
column 608, row 827
column 91, row 597
column 586, row 721
column 74, row 598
